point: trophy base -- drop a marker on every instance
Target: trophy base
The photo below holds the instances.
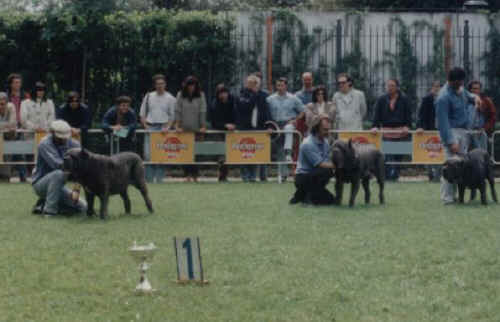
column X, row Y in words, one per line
column 144, row 287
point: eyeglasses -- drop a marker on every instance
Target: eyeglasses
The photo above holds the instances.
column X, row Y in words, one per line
column 320, row 93
column 341, row 83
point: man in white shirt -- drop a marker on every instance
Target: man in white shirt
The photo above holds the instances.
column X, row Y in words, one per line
column 350, row 105
column 156, row 114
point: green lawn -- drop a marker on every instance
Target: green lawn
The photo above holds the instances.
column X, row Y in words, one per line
column 410, row 260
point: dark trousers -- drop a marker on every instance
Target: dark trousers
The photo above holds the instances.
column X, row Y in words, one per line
column 311, row 187
column 190, row 170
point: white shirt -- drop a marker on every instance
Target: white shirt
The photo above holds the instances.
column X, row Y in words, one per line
column 161, row 108
column 351, row 108
column 37, row 114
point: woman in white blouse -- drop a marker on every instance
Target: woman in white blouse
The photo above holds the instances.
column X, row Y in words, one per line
column 39, row 112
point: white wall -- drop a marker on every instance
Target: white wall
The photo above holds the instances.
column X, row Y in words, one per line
column 377, row 22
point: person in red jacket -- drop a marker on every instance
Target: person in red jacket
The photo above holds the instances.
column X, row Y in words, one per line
column 487, row 108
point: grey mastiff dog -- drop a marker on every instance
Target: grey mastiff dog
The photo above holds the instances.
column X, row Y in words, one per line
column 104, row 176
column 471, row 171
column 355, row 164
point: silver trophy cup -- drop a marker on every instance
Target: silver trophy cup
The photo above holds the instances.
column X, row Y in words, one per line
column 143, row 255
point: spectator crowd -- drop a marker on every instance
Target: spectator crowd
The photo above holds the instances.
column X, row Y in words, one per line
column 253, row 108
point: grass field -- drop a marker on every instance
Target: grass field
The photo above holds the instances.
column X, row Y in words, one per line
column 411, row 260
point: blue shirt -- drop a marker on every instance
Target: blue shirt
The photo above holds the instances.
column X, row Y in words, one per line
column 284, row 108
column 129, row 120
column 304, row 96
column 50, row 156
column 452, row 112
column 313, row 151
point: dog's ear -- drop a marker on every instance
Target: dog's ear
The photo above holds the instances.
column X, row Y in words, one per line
column 84, row 154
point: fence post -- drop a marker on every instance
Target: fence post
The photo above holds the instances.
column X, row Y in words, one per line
column 466, row 50
column 338, row 52
column 447, row 44
column 269, row 25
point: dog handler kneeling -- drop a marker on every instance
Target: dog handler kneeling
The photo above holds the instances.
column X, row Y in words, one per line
column 314, row 168
column 48, row 175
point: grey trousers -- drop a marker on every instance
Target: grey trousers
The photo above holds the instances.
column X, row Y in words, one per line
column 448, row 190
column 57, row 196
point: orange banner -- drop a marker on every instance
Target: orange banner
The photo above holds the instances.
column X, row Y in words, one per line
column 248, row 148
column 427, row 148
column 172, row 147
column 363, row 138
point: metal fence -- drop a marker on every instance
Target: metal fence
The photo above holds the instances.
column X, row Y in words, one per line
column 372, row 53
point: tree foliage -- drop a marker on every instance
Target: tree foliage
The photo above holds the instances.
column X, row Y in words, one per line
column 123, row 51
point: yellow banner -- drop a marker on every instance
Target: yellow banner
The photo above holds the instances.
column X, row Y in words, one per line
column 363, row 138
column 172, row 147
column 248, row 148
column 427, row 148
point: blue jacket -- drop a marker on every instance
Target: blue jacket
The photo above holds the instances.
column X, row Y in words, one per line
column 452, row 111
column 244, row 107
column 129, row 120
column 50, row 156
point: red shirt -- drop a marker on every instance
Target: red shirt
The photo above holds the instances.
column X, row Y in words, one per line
column 16, row 100
column 490, row 114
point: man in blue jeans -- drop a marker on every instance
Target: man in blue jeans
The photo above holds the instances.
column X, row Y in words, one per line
column 452, row 113
column 48, row 177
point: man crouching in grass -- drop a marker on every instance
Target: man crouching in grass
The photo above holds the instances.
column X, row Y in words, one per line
column 314, row 168
column 48, row 176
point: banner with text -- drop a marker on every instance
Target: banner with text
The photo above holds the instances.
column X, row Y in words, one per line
column 427, row 148
column 172, row 147
column 248, row 148
column 372, row 139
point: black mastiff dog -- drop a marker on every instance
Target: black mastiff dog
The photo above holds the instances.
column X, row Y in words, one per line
column 355, row 163
column 104, row 176
column 471, row 171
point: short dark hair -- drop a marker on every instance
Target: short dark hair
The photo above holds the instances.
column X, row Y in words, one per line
column 395, row 80
column 347, row 77
column 319, row 88
column 456, row 74
column 221, row 88
column 123, row 99
column 157, row 77
column 12, row 77
column 472, row 83
column 72, row 96
column 282, row 80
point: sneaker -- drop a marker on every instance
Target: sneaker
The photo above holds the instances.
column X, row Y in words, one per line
column 38, row 207
column 47, row 214
column 288, row 158
column 448, row 202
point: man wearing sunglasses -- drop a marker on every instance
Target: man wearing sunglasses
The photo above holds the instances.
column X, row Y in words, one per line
column 77, row 115
column 350, row 105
